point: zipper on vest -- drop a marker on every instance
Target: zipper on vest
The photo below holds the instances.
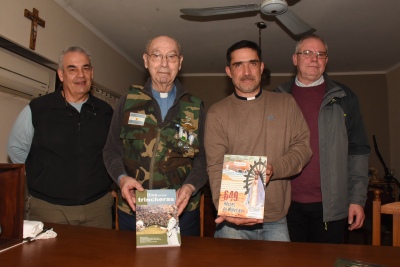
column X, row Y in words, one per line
column 153, row 158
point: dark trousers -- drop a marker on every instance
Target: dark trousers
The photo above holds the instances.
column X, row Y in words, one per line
column 305, row 224
column 189, row 222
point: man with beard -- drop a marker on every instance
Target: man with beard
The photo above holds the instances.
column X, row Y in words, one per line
column 257, row 123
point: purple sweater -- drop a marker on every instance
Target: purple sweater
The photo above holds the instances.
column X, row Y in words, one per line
column 306, row 187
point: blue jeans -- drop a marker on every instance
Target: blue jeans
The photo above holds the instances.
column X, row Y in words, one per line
column 272, row 231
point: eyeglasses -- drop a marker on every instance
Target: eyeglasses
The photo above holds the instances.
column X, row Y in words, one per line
column 159, row 58
column 308, row 54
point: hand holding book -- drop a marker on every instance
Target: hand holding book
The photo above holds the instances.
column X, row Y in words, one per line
column 128, row 186
column 183, row 195
column 238, row 221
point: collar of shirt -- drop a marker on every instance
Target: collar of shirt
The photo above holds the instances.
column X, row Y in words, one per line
column 317, row 82
column 248, row 98
column 165, row 100
column 157, row 95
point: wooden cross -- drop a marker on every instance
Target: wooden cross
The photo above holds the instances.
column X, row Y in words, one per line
column 34, row 17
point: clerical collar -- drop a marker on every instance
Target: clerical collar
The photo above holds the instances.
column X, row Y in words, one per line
column 317, row 82
column 248, row 98
column 161, row 95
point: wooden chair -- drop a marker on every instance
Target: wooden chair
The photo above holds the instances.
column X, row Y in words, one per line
column 378, row 209
column 12, row 187
column 202, row 215
column 114, row 193
column 208, row 213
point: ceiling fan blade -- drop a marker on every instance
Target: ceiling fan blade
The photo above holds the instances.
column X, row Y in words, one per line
column 294, row 23
column 213, row 11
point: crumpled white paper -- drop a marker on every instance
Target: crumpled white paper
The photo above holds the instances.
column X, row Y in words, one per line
column 32, row 228
column 46, row 235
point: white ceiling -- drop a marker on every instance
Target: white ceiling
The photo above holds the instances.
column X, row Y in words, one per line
column 363, row 35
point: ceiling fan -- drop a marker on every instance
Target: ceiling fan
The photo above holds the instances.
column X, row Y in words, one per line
column 277, row 8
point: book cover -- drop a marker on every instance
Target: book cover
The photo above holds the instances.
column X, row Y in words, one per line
column 243, row 186
column 157, row 222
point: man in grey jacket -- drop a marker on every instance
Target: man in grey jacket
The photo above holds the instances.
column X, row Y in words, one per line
column 332, row 189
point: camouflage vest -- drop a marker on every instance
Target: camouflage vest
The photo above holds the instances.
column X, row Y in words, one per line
column 155, row 156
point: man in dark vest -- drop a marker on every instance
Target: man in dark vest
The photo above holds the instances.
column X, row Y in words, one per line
column 60, row 137
column 156, row 139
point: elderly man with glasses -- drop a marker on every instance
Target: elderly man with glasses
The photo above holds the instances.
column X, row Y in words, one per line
column 156, row 139
column 331, row 191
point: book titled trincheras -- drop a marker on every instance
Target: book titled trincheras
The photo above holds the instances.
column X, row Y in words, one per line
column 157, row 222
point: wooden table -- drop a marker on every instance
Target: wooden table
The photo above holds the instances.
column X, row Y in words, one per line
column 80, row 246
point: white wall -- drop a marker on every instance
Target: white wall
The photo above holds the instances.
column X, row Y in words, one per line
column 111, row 70
column 394, row 119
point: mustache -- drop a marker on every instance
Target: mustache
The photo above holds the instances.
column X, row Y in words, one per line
column 80, row 80
column 247, row 77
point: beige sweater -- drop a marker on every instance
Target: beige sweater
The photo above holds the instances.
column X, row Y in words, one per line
column 271, row 125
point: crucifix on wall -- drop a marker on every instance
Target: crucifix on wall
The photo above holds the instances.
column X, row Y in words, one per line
column 34, row 17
